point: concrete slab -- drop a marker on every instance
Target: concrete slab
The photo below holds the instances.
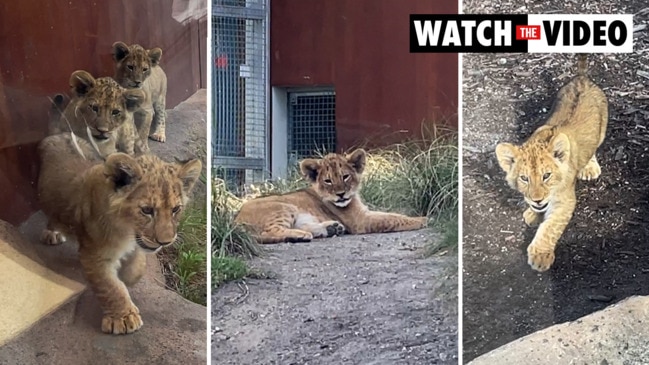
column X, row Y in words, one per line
column 617, row 334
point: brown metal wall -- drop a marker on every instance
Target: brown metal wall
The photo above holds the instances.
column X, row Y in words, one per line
column 42, row 42
column 361, row 47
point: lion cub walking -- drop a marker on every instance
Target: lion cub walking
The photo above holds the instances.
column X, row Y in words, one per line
column 545, row 168
column 118, row 209
column 138, row 68
column 331, row 206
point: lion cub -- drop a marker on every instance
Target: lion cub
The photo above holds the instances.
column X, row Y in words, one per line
column 100, row 109
column 138, row 68
column 118, row 210
column 545, row 168
column 331, row 206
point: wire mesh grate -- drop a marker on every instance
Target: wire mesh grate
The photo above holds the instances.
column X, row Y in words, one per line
column 311, row 123
column 239, row 139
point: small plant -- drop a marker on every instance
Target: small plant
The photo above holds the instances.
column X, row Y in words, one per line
column 227, row 268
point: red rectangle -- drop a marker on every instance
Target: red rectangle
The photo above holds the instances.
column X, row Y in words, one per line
column 527, row 32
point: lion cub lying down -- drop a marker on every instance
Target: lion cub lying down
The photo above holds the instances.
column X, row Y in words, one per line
column 118, row 209
column 545, row 168
column 331, row 206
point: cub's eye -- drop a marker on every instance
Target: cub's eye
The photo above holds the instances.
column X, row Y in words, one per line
column 346, row 177
column 147, row 210
column 94, row 108
column 328, row 181
column 116, row 112
column 176, row 209
column 130, row 67
column 524, row 178
column 546, row 176
column 145, row 69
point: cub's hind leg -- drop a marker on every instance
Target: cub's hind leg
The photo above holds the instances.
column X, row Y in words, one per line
column 591, row 171
column 380, row 222
column 280, row 226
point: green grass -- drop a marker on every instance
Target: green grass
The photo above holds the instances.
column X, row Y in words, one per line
column 227, row 268
column 418, row 178
column 185, row 264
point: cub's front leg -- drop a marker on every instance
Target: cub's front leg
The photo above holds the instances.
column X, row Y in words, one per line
column 121, row 316
column 380, row 222
column 159, row 119
column 540, row 253
column 143, row 119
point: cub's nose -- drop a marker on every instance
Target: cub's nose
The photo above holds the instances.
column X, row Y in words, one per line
column 137, row 83
column 341, row 195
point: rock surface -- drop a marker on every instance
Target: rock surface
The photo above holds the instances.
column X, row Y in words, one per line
column 616, row 335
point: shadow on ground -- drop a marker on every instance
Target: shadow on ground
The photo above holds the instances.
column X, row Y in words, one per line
column 371, row 299
column 603, row 256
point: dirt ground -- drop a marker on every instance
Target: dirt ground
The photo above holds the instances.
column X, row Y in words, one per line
column 371, row 299
column 603, row 256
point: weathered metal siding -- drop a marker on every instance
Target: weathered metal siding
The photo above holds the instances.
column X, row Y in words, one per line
column 361, row 47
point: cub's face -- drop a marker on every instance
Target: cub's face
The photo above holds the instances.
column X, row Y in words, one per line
column 154, row 195
column 133, row 63
column 103, row 105
column 537, row 168
column 336, row 178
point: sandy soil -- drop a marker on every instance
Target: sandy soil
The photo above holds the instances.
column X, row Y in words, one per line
column 603, row 256
column 370, row 299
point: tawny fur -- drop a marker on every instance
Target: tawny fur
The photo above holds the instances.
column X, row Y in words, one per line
column 102, row 106
column 331, row 206
column 117, row 210
column 138, row 68
column 545, row 168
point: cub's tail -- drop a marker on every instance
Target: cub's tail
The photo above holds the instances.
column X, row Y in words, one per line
column 582, row 64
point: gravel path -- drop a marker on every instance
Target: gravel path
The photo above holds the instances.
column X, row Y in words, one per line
column 371, row 299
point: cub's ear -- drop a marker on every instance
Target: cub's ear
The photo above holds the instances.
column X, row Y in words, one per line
column 120, row 51
column 561, row 147
column 122, row 170
column 81, row 82
column 309, row 169
column 134, row 99
column 506, row 154
column 357, row 159
column 188, row 173
column 155, row 55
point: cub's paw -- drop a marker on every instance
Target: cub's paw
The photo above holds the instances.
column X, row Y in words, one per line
column 591, row 171
column 158, row 137
column 540, row 259
column 50, row 237
column 531, row 218
column 122, row 323
column 335, row 229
